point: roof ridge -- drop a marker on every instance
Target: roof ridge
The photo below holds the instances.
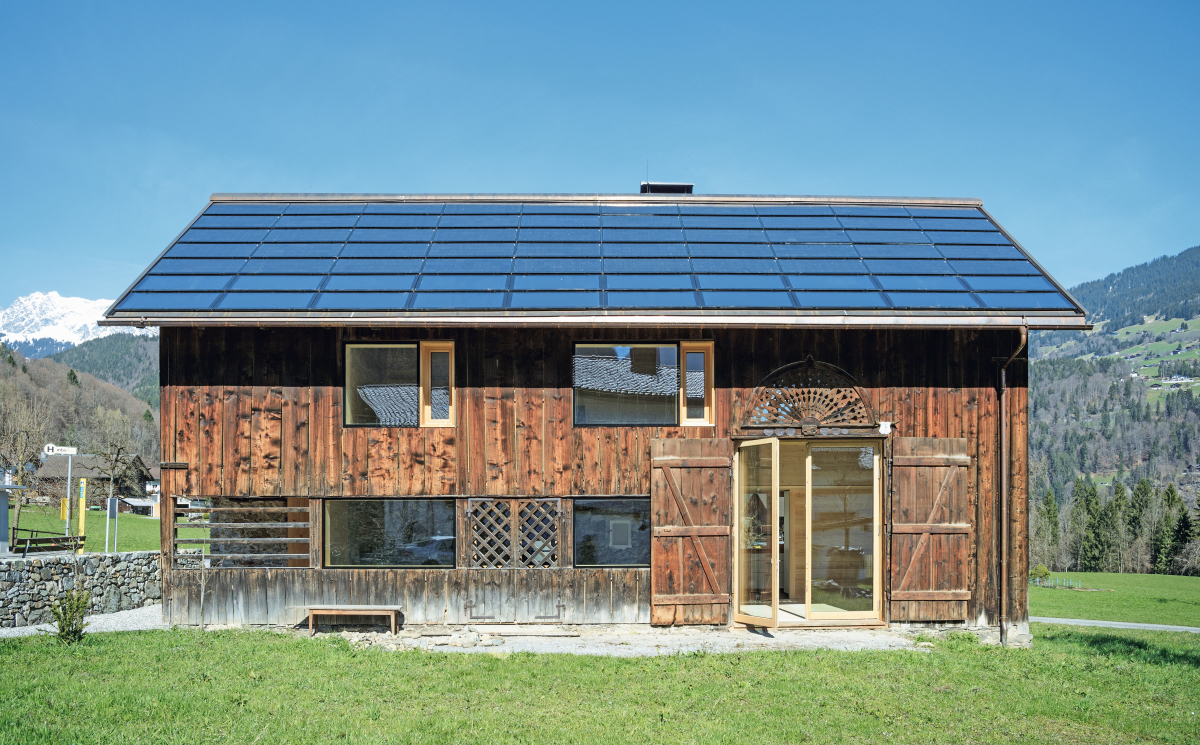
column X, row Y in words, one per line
column 598, row 197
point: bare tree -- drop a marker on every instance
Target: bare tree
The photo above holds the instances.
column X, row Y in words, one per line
column 24, row 429
column 113, row 444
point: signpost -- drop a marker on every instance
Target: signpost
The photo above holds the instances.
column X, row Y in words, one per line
column 52, row 449
column 82, row 511
column 110, row 513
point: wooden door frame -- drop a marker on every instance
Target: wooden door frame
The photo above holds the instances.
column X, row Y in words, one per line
column 876, row 612
column 856, row 618
column 735, row 547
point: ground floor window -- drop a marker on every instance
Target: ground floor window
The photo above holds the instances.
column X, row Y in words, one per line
column 390, row 532
column 612, row 532
column 497, row 533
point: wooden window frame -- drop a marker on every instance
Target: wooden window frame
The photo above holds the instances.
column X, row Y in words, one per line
column 576, row 344
column 324, row 538
column 607, row 497
column 346, row 347
column 428, row 348
column 706, row 348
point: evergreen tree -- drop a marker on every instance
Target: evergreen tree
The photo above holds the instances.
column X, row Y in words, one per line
column 1185, row 528
column 1142, row 492
column 1161, row 544
column 1050, row 513
column 1121, row 497
column 1171, row 497
column 1106, row 528
column 1088, row 552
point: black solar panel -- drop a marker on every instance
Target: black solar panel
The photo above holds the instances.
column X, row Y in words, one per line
column 461, row 256
column 256, row 208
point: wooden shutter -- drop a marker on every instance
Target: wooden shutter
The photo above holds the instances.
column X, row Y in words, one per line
column 689, row 548
column 930, row 529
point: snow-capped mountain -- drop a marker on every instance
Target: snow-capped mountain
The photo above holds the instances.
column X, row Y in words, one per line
column 43, row 323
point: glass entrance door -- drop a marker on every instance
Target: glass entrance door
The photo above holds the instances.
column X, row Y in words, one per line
column 808, row 531
column 845, row 535
column 755, row 533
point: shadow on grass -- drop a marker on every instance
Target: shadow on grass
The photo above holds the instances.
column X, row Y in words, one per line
column 1128, row 647
column 1175, row 601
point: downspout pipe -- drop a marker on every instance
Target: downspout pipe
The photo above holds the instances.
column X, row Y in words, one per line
column 1005, row 486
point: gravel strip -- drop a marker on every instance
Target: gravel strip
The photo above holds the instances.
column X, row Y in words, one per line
column 626, row 641
column 612, row 641
column 138, row 619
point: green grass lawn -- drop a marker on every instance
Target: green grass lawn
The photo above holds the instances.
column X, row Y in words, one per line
column 136, row 533
column 1138, row 598
column 1076, row 686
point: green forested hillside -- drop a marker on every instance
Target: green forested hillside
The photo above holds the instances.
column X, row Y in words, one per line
column 1167, row 287
column 127, row 361
column 45, row 401
column 1114, row 419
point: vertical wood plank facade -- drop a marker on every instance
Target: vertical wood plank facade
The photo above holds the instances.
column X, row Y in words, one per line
column 258, row 412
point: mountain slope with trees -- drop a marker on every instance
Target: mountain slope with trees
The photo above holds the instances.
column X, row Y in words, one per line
column 1113, row 450
column 1167, row 287
column 44, row 401
column 127, row 361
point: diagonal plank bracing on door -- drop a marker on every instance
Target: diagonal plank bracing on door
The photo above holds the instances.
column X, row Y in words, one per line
column 690, row 546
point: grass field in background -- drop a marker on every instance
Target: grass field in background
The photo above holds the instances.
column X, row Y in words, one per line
column 1092, row 686
column 137, row 533
column 1137, row 598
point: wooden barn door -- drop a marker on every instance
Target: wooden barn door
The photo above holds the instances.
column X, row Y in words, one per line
column 931, row 529
column 689, row 550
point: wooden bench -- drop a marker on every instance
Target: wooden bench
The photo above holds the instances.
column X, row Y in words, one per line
column 71, row 543
column 392, row 611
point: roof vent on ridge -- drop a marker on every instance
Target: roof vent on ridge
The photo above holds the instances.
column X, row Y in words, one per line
column 662, row 187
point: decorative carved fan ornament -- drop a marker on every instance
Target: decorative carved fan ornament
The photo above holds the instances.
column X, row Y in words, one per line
column 811, row 396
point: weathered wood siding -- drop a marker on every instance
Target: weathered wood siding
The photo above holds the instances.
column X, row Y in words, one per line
column 429, row 596
column 257, row 412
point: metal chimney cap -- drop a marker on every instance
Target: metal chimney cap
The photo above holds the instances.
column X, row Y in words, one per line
column 664, row 187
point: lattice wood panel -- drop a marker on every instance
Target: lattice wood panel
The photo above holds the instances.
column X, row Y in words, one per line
column 538, row 532
column 515, row 533
column 491, row 533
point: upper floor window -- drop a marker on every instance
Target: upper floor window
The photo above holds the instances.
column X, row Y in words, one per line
column 642, row 384
column 696, row 388
column 400, row 385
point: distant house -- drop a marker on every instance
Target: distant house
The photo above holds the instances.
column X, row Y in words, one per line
column 1155, row 386
column 131, row 484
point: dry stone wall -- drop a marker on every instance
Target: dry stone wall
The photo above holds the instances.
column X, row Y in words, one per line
column 28, row 587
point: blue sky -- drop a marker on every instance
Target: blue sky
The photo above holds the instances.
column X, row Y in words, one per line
column 1076, row 123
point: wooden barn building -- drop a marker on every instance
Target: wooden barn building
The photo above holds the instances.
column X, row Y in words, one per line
column 656, row 408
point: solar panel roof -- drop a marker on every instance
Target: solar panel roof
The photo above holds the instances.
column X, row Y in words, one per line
column 309, row 256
